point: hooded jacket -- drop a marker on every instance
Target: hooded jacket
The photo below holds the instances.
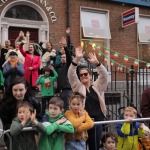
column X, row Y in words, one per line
column 128, row 134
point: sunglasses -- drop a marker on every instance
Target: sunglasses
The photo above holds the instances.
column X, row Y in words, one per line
column 84, row 74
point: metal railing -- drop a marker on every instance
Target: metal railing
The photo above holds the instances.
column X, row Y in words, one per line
column 110, row 123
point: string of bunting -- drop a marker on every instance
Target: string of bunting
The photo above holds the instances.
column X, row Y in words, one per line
column 96, row 48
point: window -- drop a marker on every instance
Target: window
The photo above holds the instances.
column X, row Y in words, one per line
column 95, row 24
column 144, row 40
column 95, row 33
column 23, row 12
column 144, row 29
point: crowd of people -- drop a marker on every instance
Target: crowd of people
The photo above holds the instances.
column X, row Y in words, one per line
column 65, row 116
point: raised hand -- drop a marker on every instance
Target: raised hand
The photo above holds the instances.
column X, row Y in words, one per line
column 141, row 126
column 21, row 34
column 51, row 67
column 27, row 33
column 79, row 52
column 93, row 59
column 33, row 117
column 68, row 30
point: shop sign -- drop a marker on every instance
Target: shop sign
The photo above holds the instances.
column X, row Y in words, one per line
column 45, row 4
column 136, row 2
column 129, row 17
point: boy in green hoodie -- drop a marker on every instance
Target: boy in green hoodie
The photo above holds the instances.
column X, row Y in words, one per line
column 47, row 85
column 56, row 125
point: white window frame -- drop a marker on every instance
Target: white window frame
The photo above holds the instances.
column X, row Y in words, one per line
column 104, row 25
column 143, row 37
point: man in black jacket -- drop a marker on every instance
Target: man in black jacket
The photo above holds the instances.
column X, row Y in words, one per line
column 63, row 84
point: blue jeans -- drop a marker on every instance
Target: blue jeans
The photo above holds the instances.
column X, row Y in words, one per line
column 95, row 134
column 75, row 145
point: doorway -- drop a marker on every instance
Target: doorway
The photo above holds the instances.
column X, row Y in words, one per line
column 14, row 32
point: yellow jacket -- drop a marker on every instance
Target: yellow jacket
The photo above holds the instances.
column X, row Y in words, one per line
column 128, row 135
column 80, row 123
column 145, row 143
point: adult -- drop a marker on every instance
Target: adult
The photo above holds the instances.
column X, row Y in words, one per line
column 145, row 104
column 3, row 52
column 19, row 90
column 61, row 50
column 12, row 69
column 94, row 102
column 48, row 48
column 49, row 56
column 23, row 38
column 31, row 65
column 20, row 56
column 63, row 85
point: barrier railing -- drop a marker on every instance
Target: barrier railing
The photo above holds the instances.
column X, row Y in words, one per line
column 7, row 132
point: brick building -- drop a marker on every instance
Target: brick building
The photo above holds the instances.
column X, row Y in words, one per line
column 96, row 20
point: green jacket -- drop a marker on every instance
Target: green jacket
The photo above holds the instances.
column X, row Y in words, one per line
column 23, row 140
column 47, row 91
column 1, row 79
column 53, row 137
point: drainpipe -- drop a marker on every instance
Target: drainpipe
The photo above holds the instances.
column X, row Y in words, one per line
column 68, row 13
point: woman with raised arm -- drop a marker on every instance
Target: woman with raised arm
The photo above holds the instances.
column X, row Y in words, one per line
column 94, row 93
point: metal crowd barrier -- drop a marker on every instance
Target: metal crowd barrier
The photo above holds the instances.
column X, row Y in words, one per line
column 7, row 132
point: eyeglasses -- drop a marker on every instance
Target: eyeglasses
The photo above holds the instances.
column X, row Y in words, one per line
column 84, row 74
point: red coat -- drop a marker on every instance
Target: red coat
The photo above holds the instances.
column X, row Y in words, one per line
column 30, row 62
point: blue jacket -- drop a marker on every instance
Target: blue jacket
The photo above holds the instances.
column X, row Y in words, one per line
column 128, row 135
column 10, row 73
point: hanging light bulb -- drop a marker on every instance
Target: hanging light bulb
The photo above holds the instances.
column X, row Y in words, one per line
column 82, row 44
column 93, row 45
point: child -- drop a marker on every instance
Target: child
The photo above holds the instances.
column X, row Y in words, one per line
column 108, row 142
column 128, row 132
column 55, row 126
column 144, row 142
column 80, row 121
column 47, row 85
column 25, row 118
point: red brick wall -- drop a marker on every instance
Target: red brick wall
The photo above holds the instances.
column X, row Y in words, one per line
column 123, row 40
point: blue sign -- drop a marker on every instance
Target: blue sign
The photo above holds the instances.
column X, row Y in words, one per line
column 136, row 2
column 130, row 16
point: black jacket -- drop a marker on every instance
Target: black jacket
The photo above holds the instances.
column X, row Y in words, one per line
column 8, row 110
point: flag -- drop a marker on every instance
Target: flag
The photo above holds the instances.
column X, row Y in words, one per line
column 105, row 59
column 90, row 44
column 116, row 55
column 95, row 24
column 107, row 51
column 93, row 49
column 121, row 67
column 136, row 62
column 126, row 58
column 98, row 47
column 112, row 62
column 99, row 54
column 148, row 65
column 147, row 29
